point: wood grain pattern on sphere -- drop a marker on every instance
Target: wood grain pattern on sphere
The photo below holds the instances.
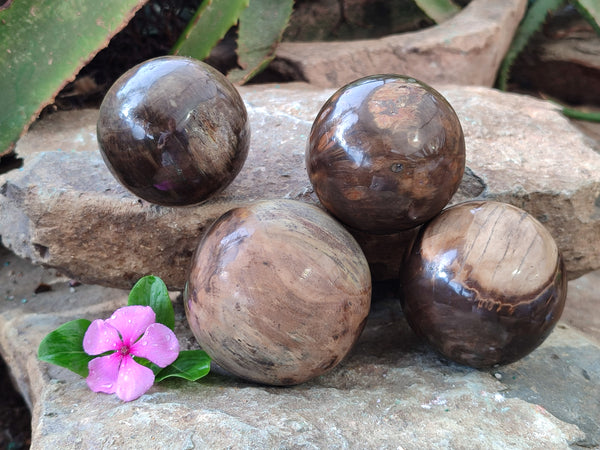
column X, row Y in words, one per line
column 174, row 131
column 278, row 292
column 485, row 283
column 386, row 153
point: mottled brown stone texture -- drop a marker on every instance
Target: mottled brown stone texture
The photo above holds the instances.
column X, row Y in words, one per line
column 485, row 283
column 174, row 131
column 386, row 153
column 278, row 292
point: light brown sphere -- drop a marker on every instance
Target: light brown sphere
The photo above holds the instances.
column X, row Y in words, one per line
column 278, row 292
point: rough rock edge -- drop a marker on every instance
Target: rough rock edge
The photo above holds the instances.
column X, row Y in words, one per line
column 466, row 50
column 171, row 234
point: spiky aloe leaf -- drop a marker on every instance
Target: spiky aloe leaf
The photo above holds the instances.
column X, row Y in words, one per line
column 532, row 22
column 260, row 30
column 210, row 23
column 43, row 44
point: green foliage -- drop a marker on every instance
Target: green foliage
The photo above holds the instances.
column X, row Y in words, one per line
column 260, row 27
column 535, row 17
column 260, row 30
column 210, row 23
column 152, row 291
column 581, row 115
column 190, row 365
column 43, row 44
column 531, row 23
column 590, row 10
column 64, row 347
column 438, row 10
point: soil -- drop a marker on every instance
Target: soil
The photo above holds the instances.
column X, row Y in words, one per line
column 15, row 418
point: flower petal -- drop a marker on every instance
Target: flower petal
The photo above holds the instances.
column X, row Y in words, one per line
column 104, row 373
column 132, row 321
column 158, row 344
column 100, row 337
column 134, row 379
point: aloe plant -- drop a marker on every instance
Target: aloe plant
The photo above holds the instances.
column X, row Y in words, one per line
column 532, row 22
column 212, row 20
column 260, row 27
column 260, row 30
column 43, row 44
column 536, row 15
column 590, row 9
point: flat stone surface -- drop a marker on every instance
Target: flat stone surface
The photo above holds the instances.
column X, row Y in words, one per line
column 467, row 49
column 64, row 209
column 392, row 391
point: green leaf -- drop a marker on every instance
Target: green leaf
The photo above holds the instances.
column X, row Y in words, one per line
column 590, row 10
column 532, row 22
column 438, row 10
column 190, row 364
column 43, row 44
column 147, row 363
column 581, row 115
column 152, row 291
column 210, row 23
column 260, row 30
column 64, row 347
column 574, row 113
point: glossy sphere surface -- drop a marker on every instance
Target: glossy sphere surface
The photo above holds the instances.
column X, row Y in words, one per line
column 485, row 283
column 174, row 131
column 386, row 153
column 278, row 292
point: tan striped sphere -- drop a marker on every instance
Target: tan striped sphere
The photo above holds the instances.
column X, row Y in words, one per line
column 278, row 292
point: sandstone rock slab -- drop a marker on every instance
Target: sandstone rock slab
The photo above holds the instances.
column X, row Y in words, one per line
column 64, row 209
column 76, row 188
column 466, row 49
column 392, row 391
column 525, row 153
column 584, row 303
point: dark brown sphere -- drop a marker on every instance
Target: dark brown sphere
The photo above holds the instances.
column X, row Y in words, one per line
column 386, row 153
column 173, row 131
column 485, row 283
column 278, row 292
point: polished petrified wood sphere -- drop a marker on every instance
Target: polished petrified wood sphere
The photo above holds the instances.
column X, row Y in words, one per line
column 386, row 153
column 278, row 292
column 485, row 283
column 174, row 131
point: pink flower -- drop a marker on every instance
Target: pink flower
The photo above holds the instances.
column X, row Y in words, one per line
column 119, row 372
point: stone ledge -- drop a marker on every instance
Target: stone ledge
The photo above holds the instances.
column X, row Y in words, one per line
column 466, row 49
column 65, row 210
column 391, row 391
